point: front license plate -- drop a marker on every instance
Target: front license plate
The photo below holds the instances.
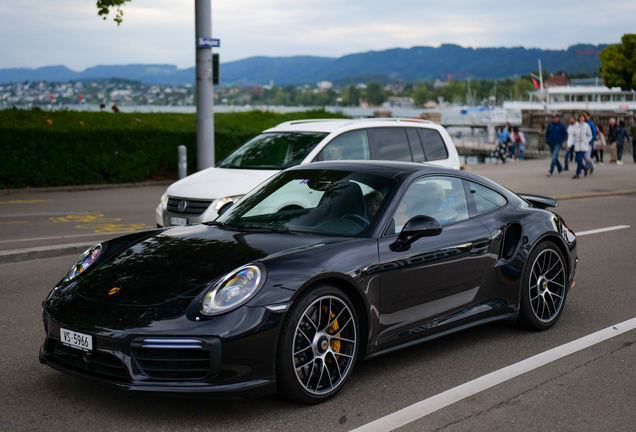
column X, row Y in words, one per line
column 178, row 221
column 77, row 340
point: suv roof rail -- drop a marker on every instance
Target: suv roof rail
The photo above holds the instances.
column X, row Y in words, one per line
column 390, row 119
column 295, row 122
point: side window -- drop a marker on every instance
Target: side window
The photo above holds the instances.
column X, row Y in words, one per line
column 390, row 144
column 440, row 197
column 416, row 146
column 353, row 145
column 486, row 199
column 433, row 143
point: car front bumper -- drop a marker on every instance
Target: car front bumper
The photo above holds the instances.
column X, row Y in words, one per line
column 229, row 356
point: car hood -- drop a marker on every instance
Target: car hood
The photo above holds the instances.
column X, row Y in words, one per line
column 212, row 183
column 182, row 261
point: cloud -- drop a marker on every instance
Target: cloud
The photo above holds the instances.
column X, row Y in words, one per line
column 43, row 32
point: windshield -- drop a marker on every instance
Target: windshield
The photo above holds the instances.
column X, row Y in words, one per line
column 276, row 150
column 313, row 201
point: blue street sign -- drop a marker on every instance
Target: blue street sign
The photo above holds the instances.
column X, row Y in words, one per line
column 208, row 43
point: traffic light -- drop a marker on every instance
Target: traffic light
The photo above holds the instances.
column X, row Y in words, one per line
column 215, row 69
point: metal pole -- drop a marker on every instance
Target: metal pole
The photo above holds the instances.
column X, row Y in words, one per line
column 540, row 75
column 204, row 87
column 182, row 162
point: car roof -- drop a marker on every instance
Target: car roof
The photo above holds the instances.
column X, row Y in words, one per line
column 332, row 125
column 402, row 171
column 380, row 167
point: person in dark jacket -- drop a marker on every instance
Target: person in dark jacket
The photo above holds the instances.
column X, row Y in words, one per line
column 620, row 136
column 611, row 141
column 555, row 136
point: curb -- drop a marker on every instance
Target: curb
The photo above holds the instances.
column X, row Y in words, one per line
column 17, row 255
column 85, row 187
column 594, row 194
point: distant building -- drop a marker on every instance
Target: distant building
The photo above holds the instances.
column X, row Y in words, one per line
column 324, row 85
column 558, row 80
column 403, row 102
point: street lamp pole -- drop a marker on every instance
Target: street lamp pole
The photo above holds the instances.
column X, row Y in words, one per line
column 204, row 86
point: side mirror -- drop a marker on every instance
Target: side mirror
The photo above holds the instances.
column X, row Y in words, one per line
column 417, row 227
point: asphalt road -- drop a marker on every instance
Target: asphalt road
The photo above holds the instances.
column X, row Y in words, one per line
column 592, row 389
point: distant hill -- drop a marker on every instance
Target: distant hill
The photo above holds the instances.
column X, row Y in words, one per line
column 410, row 64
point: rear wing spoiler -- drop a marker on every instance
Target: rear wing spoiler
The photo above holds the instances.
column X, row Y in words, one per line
column 540, row 201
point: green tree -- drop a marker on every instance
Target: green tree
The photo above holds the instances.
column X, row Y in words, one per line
column 618, row 63
column 352, row 96
column 375, row 93
column 521, row 88
column 104, row 7
column 421, row 95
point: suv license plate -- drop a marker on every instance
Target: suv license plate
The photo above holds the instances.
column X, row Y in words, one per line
column 174, row 221
column 77, row 340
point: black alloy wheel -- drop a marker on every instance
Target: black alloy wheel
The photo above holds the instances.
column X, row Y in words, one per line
column 318, row 346
column 543, row 288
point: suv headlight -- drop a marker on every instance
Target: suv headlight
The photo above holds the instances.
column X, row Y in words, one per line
column 233, row 290
column 222, row 202
column 84, row 261
column 164, row 199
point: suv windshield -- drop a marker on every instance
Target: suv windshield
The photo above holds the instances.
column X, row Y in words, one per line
column 313, row 201
column 275, row 150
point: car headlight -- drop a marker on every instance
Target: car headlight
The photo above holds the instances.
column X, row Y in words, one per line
column 164, row 199
column 233, row 290
column 84, row 261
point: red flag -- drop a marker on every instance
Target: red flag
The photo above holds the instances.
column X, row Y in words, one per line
column 51, row 96
column 536, row 84
column 80, row 96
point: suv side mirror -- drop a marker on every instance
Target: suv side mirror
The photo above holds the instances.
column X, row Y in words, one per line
column 417, row 227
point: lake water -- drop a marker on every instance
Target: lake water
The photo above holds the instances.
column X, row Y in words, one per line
column 449, row 115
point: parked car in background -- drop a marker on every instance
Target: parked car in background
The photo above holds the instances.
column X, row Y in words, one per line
column 208, row 193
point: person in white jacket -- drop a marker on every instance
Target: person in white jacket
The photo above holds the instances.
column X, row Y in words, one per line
column 580, row 142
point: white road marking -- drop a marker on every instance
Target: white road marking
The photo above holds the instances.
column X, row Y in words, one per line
column 600, row 230
column 449, row 397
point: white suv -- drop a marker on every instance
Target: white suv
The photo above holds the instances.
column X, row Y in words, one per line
column 204, row 195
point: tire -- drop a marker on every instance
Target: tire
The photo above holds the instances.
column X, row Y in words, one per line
column 318, row 345
column 543, row 287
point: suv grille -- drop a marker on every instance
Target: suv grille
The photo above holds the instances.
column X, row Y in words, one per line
column 174, row 359
column 193, row 207
column 97, row 363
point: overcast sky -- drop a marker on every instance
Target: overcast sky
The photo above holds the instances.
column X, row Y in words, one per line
column 37, row 33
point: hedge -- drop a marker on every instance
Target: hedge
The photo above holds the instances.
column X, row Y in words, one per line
column 60, row 148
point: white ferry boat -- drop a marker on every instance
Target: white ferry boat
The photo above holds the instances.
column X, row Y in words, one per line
column 590, row 98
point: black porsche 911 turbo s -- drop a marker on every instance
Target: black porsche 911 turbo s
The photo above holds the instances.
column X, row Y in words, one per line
column 320, row 266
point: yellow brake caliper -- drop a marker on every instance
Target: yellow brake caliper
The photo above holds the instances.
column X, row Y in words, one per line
column 335, row 344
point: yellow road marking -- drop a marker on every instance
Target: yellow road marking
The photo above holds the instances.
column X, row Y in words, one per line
column 109, row 228
column 24, row 201
column 91, row 218
column 13, row 222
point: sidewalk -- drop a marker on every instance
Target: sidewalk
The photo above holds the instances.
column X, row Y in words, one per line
column 529, row 176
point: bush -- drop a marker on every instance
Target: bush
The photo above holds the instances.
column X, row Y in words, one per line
column 59, row 148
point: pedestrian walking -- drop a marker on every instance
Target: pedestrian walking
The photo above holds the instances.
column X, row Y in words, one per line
column 599, row 145
column 588, row 154
column 581, row 135
column 633, row 130
column 503, row 138
column 569, row 152
column 555, row 136
column 611, row 140
column 620, row 136
column 542, row 138
column 519, row 141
